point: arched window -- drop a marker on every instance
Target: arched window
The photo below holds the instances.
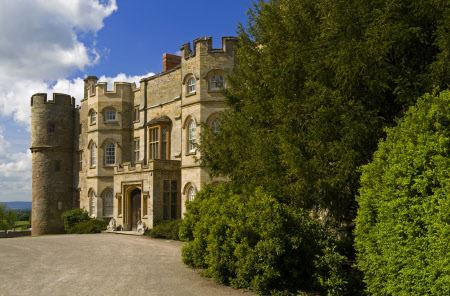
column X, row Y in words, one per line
column 216, row 82
column 93, row 155
column 190, row 87
column 92, row 203
column 191, row 193
column 110, row 115
column 92, row 117
column 215, row 126
column 108, row 203
column 110, row 154
column 191, row 136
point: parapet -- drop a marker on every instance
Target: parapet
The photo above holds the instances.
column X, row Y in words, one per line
column 204, row 44
column 58, row 99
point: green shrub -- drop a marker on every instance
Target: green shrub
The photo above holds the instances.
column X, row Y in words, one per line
column 78, row 221
column 257, row 242
column 89, row 226
column 73, row 217
column 166, row 229
column 403, row 222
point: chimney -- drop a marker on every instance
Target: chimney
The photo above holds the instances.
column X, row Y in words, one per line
column 170, row 61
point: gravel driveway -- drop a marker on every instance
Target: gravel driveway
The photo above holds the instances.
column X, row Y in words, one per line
column 99, row 264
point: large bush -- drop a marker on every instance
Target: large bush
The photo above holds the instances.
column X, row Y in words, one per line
column 78, row 221
column 89, row 226
column 403, row 221
column 257, row 242
column 74, row 217
column 165, row 229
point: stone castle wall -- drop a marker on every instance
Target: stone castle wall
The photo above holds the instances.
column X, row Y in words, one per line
column 52, row 142
column 160, row 97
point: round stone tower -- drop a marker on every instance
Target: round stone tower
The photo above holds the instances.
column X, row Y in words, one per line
column 52, row 142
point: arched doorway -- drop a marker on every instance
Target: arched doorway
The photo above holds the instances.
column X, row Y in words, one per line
column 135, row 205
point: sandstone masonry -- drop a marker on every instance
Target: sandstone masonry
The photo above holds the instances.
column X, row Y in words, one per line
column 129, row 155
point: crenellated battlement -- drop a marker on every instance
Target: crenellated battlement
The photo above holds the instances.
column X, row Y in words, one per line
column 95, row 89
column 57, row 99
column 118, row 88
column 204, row 45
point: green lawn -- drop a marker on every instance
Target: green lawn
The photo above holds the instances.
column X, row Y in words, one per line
column 22, row 225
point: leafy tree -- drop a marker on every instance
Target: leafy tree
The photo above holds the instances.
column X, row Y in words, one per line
column 11, row 218
column 8, row 218
column 3, row 220
column 315, row 84
column 403, row 222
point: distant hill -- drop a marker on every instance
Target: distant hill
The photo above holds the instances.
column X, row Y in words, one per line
column 18, row 205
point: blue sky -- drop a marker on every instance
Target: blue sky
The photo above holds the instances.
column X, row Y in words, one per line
column 50, row 45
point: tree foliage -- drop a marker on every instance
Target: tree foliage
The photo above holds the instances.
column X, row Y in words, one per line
column 315, row 84
column 254, row 241
column 8, row 218
column 403, row 222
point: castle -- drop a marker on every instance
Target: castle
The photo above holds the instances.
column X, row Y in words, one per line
column 128, row 155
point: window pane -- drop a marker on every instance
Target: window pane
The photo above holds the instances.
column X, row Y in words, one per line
column 166, row 207
column 173, row 186
column 191, row 194
column 191, row 136
column 110, row 154
column 93, row 155
column 93, row 117
column 110, row 115
column 136, row 149
column 154, row 143
column 108, row 204
column 215, row 126
column 191, row 85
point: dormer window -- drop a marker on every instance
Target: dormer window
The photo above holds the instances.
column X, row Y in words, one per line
column 190, row 88
column 216, row 82
column 110, row 115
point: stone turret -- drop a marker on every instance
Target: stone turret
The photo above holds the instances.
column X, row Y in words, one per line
column 52, row 136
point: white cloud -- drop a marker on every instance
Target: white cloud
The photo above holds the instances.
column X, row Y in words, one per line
column 39, row 43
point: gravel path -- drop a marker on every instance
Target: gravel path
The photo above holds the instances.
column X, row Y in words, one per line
column 99, row 264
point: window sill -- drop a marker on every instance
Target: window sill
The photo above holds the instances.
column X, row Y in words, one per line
column 112, row 122
column 191, row 153
column 93, row 167
column 216, row 90
column 92, row 123
column 191, row 94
